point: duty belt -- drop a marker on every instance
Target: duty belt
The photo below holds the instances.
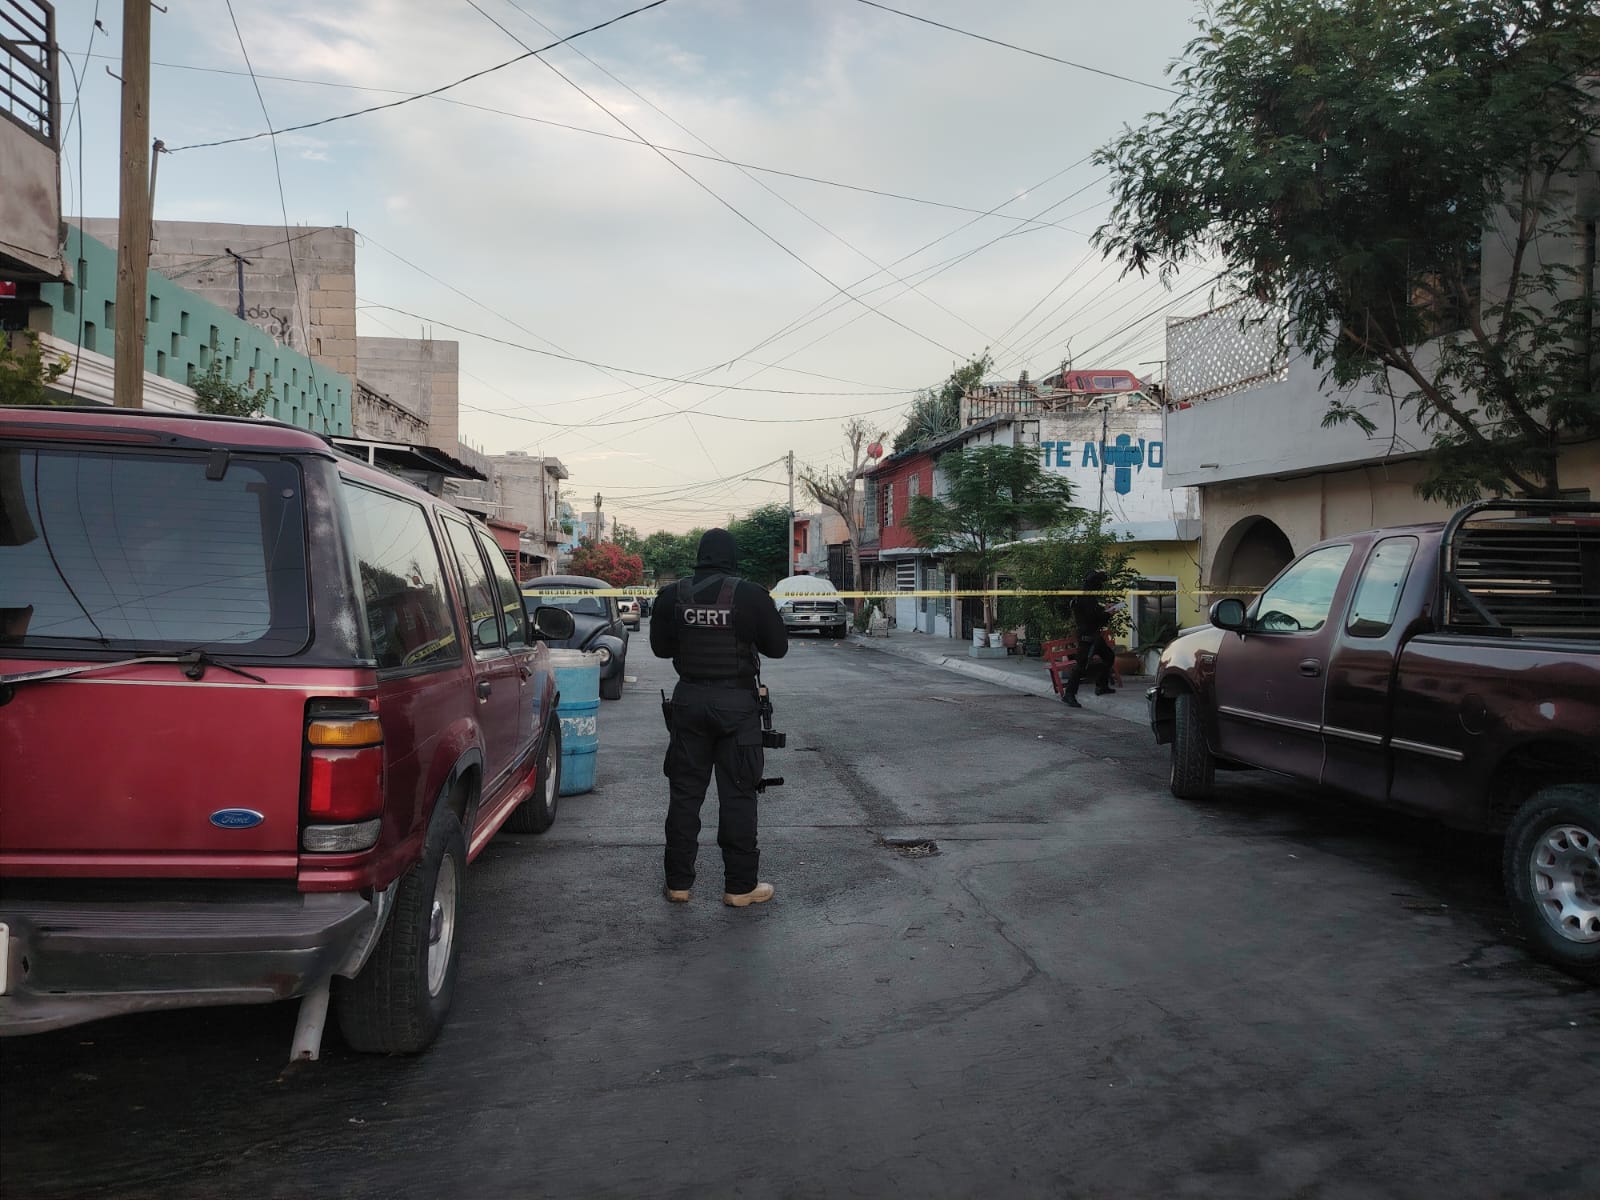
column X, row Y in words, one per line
column 741, row 685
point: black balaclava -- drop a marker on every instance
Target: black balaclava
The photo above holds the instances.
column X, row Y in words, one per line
column 718, row 552
column 1095, row 581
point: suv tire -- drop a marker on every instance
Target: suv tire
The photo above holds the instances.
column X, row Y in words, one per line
column 538, row 812
column 1552, row 875
column 1193, row 767
column 399, row 1001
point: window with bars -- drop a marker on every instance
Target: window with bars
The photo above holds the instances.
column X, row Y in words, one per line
column 905, row 576
column 888, row 504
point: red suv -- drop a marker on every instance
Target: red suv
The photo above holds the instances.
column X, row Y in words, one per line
column 260, row 704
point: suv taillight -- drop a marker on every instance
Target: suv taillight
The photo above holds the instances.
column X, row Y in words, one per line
column 342, row 795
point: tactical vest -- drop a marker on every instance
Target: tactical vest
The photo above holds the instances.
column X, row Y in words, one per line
column 708, row 648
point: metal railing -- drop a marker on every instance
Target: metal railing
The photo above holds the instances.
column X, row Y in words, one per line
column 30, row 93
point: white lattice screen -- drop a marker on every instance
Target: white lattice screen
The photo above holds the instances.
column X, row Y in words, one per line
column 1222, row 351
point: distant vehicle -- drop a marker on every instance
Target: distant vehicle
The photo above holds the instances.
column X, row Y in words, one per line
column 597, row 624
column 810, row 602
column 1093, row 382
column 630, row 609
column 1452, row 670
column 260, row 705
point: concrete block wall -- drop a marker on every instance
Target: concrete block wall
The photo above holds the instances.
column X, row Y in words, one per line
column 422, row 376
column 299, row 286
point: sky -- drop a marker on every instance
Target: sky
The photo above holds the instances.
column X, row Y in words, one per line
column 726, row 316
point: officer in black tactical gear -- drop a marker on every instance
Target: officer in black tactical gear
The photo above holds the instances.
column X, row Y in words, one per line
column 713, row 627
column 1090, row 617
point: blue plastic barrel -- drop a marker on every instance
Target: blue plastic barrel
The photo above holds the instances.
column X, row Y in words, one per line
column 578, row 681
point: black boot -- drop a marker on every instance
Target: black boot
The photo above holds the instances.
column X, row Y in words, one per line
column 1070, row 699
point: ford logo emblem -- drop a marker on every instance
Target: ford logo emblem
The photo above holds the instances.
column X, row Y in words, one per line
column 236, row 818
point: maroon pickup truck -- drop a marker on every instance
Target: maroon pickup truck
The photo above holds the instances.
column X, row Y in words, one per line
column 1451, row 670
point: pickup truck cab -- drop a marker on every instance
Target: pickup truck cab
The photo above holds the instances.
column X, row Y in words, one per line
column 1450, row 669
column 260, row 705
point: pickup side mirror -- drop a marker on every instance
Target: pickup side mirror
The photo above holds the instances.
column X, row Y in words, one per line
column 549, row 622
column 1228, row 614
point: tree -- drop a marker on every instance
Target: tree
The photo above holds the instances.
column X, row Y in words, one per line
column 608, row 561
column 993, row 493
column 763, row 538
column 1059, row 562
column 24, row 375
column 937, row 410
column 1348, row 163
column 836, row 489
column 215, row 393
column 627, row 537
column 670, row 556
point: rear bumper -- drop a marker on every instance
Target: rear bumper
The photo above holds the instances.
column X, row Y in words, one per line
column 72, row 962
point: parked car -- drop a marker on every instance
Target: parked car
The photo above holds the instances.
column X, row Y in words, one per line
column 260, row 705
column 597, row 624
column 810, row 602
column 1452, row 670
column 628, row 607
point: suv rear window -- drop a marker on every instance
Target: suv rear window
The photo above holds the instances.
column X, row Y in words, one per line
column 142, row 551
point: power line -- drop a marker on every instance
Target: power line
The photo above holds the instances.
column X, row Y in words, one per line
column 762, row 184
column 715, row 195
column 600, row 133
column 489, row 337
column 361, row 112
column 1021, row 49
column 283, row 209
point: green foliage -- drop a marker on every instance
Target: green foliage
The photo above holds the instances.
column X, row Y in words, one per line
column 608, row 561
column 1347, row 163
column 937, row 410
column 993, row 493
column 24, row 374
column 763, row 538
column 216, row 394
column 628, row 538
column 669, row 556
column 1060, row 561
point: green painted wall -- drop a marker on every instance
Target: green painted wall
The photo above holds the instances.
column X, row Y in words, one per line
column 185, row 332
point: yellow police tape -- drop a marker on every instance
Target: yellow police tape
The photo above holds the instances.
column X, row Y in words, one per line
column 886, row 593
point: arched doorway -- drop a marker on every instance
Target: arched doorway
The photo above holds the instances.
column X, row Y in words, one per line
column 1249, row 555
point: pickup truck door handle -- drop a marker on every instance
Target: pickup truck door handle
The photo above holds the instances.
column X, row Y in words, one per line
column 483, row 689
column 1310, row 667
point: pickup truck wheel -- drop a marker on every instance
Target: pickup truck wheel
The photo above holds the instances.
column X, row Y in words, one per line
column 538, row 812
column 1552, row 874
column 399, row 1001
column 1193, row 767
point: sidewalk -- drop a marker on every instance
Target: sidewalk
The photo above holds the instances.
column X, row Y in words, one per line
column 1014, row 671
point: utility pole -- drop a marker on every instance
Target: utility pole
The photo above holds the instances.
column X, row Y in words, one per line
column 133, row 209
column 790, row 571
column 240, row 261
column 1105, row 411
column 599, row 521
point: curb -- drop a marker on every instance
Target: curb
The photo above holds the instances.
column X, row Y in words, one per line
column 974, row 669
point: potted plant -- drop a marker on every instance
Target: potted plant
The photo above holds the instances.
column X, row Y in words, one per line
column 1152, row 640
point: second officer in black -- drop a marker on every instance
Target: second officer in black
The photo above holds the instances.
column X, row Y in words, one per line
column 713, row 627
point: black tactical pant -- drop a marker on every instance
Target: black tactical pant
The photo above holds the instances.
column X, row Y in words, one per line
column 714, row 728
column 1093, row 656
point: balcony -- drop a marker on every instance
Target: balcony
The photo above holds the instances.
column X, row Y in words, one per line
column 1239, row 407
column 30, row 143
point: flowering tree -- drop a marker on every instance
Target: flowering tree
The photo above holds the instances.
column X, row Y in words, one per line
column 608, row 561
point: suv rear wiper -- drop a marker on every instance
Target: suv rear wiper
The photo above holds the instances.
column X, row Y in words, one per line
column 197, row 660
column 194, row 663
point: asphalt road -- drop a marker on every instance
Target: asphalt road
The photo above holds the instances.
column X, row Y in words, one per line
column 1092, row 989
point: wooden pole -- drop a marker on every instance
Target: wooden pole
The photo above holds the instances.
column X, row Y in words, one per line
column 133, row 225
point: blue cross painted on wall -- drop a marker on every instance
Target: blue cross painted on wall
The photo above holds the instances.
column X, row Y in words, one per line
column 1124, row 456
